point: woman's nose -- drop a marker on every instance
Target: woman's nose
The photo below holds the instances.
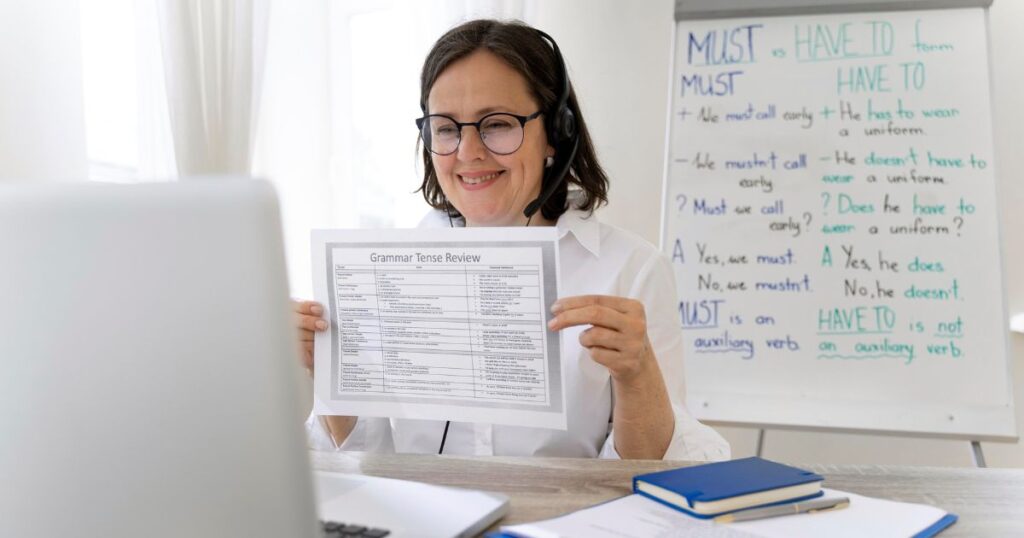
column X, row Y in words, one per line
column 471, row 147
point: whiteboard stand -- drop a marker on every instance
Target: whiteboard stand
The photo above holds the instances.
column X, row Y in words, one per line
column 977, row 454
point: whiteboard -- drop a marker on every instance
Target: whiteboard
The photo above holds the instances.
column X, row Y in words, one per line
column 830, row 213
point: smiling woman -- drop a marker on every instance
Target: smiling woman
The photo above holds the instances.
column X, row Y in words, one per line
column 480, row 69
column 499, row 111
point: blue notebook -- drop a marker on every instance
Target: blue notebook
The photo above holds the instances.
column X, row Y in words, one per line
column 714, row 489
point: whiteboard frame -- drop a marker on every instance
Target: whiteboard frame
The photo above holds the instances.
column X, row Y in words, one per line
column 916, row 420
column 1008, row 343
column 722, row 9
column 995, row 423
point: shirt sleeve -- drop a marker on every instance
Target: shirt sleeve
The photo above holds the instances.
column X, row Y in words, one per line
column 655, row 287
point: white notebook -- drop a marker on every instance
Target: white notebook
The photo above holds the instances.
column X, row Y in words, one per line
column 635, row 516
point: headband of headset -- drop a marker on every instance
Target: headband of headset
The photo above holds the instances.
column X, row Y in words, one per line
column 562, row 123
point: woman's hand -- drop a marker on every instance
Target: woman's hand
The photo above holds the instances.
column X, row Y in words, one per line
column 309, row 320
column 642, row 419
column 618, row 336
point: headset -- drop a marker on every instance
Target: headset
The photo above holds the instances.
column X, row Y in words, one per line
column 563, row 135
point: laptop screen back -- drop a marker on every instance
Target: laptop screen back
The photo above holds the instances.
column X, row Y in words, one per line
column 148, row 370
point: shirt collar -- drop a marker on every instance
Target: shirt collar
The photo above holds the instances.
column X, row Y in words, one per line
column 584, row 227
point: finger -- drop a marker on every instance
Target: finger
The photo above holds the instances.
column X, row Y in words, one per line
column 306, row 336
column 602, row 338
column 310, row 323
column 619, row 304
column 311, row 308
column 601, row 316
column 604, row 356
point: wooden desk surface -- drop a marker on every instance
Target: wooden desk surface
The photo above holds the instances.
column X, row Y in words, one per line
column 990, row 502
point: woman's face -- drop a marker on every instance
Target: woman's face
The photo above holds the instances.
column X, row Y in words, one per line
column 487, row 188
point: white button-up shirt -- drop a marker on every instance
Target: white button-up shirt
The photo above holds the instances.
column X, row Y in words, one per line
column 596, row 258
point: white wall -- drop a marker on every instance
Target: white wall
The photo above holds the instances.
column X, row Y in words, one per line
column 42, row 125
column 618, row 55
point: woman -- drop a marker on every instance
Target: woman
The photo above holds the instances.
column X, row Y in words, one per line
column 498, row 112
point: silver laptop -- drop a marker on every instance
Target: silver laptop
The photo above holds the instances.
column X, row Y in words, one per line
column 144, row 337
column 149, row 384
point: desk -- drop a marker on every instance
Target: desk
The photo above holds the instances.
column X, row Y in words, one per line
column 990, row 502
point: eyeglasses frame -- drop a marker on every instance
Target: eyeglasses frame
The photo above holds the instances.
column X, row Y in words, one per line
column 522, row 125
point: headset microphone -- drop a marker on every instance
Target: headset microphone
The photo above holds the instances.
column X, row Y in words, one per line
column 562, row 134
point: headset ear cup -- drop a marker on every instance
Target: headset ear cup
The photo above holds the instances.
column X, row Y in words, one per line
column 567, row 124
column 563, row 128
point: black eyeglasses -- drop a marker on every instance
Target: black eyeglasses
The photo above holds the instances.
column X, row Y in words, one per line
column 501, row 132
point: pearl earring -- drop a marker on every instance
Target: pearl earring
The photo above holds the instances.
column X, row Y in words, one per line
column 549, row 162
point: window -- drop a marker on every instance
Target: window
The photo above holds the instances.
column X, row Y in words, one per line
column 127, row 128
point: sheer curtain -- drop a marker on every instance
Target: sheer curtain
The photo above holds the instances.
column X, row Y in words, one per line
column 213, row 55
column 318, row 96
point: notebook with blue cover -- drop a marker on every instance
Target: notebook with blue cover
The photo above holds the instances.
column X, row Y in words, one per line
column 714, row 489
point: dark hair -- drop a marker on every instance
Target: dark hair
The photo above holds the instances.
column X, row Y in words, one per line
column 523, row 49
